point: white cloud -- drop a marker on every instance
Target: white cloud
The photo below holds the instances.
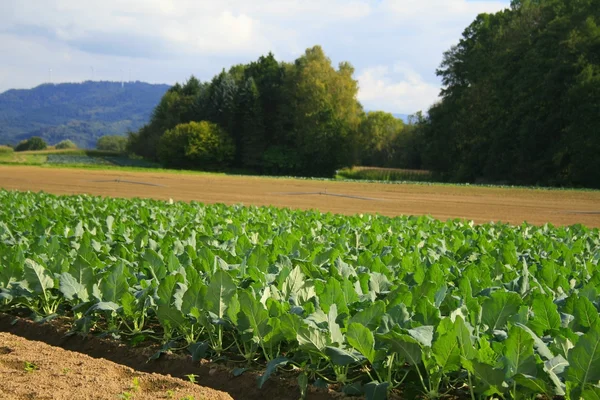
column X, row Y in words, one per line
column 399, row 89
column 168, row 40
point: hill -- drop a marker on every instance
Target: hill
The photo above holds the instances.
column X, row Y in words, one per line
column 82, row 112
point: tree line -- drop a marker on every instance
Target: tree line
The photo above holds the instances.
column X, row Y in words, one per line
column 300, row 118
column 521, row 98
column 520, row 104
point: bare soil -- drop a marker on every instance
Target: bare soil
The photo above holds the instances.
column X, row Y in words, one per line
column 35, row 370
column 481, row 204
column 121, row 357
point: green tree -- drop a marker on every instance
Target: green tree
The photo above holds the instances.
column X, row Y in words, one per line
column 520, row 98
column 114, row 143
column 326, row 112
column 196, row 145
column 33, row 143
column 379, row 132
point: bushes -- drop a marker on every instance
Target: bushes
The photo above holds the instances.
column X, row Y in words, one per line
column 5, row 149
column 113, row 143
column 34, row 143
column 196, row 145
column 65, row 144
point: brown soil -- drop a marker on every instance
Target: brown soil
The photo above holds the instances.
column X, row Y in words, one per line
column 52, row 361
column 481, row 204
column 35, row 370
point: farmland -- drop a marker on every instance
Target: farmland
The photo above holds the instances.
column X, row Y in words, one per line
column 481, row 204
column 370, row 304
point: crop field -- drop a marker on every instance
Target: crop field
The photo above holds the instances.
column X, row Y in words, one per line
column 372, row 305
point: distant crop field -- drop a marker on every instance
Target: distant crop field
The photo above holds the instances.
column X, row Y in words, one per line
column 386, row 174
column 71, row 157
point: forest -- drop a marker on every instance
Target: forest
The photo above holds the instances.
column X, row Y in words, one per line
column 520, row 104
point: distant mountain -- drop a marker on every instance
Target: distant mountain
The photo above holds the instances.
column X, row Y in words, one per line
column 82, row 112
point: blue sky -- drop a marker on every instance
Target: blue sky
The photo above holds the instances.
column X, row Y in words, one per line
column 395, row 45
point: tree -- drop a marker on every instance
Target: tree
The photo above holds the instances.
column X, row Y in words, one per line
column 33, row 143
column 326, row 112
column 115, row 143
column 65, row 144
column 378, row 133
column 521, row 98
column 196, row 145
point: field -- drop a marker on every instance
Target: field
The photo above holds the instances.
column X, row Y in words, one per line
column 74, row 157
column 481, row 204
column 372, row 305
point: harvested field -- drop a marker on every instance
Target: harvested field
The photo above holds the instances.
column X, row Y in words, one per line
column 35, row 370
column 481, row 204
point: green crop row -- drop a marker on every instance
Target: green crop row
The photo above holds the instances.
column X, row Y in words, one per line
column 376, row 305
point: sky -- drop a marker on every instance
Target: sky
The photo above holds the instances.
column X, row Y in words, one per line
column 394, row 45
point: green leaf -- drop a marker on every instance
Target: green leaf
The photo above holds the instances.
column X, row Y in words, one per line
column 271, row 367
column 362, row 340
column 498, row 308
column 376, row 390
column 518, row 353
column 258, row 317
column 72, row 289
column 536, row 385
column 38, row 278
column 371, row 316
column 114, row 284
column 198, row 350
column 404, row 345
column 584, row 362
column 423, row 334
column 446, row 351
column 489, row 379
column 465, row 342
column 312, row 339
column 546, row 315
column 591, row 393
column 340, row 357
column 334, row 329
column 220, row 291
column 586, row 314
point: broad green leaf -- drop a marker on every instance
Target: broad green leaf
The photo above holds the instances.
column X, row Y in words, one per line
column 334, row 329
column 586, row 314
column 38, row 278
column 407, row 347
column 498, row 308
column 447, row 352
column 546, row 315
column 376, row 391
column 371, row 316
column 271, row 367
column 536, row 385
column 362, row 340
column 219, row 293
column 422, row 334
column 340, row 357
column 584, row 362
column 71, row 288
column 518, row 353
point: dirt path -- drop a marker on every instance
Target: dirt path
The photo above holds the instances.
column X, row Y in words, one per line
column 480, row 204
column 35, row 370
